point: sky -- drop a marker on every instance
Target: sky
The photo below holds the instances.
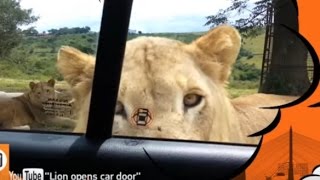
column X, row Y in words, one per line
column 147, row 15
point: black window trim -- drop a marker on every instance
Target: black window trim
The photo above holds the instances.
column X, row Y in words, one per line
column 110, row 53
column 103, row 153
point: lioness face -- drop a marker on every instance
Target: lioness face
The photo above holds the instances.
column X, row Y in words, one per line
column 162, row 76
column 41, row 92
column 182, row 85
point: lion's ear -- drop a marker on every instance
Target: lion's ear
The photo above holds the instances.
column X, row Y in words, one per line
column 221, row 44
column 74, row 65
column 51, row 82
column 32, row 85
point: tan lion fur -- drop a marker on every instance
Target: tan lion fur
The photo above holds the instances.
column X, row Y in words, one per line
column 158, row 72
column 26, row 111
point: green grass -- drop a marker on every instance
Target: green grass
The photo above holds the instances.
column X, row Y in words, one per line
column 240, row 88
column 254, row 45
column 240, row 92
column 256, row 60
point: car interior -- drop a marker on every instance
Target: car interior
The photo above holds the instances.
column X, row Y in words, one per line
column 100, row 152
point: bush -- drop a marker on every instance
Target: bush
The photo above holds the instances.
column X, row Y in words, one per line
column 91, row 40
column 6, row 71
column 17, row 57
column 245, row 72
column 42, row 54
column 42, row 46
column 245, row 53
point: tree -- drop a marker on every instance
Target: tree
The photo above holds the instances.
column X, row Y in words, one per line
column 11, row 17
column 30, row 32
column 288, row 68
column 86, row 29
column 66, row 30
column 52, row 31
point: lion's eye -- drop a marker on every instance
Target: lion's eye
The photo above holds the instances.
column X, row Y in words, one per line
column 191, row 100
column 120, row 109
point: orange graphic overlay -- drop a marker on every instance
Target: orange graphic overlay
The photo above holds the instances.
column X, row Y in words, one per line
column 4, row 162
column 304, row 120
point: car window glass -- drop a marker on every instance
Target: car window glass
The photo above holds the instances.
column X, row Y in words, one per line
column 185, row 77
